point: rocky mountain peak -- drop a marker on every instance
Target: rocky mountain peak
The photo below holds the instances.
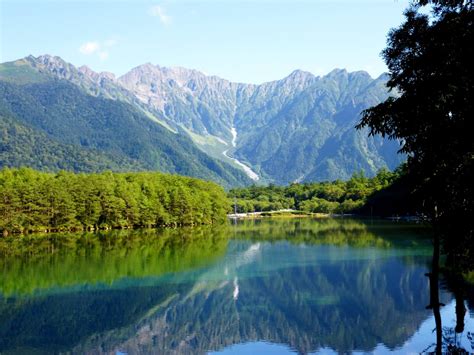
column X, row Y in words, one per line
column 88, row 72
column 158, row 86
column 149, row 73
column 56, row 66
column 146, row 68
column 299, row 74
column 50, row 63
column 337, row 74
column 47, row 59
column 295, row 82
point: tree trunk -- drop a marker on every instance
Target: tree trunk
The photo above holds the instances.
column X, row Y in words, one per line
column 434, row 294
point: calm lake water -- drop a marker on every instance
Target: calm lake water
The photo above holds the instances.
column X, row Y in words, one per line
column 255, row 287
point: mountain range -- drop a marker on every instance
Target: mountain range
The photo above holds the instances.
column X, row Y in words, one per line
column 300, row 128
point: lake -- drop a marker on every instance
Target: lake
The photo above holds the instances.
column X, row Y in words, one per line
column 254, row 287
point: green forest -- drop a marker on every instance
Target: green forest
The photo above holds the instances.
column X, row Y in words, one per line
column 317, row 197
column 65, row 201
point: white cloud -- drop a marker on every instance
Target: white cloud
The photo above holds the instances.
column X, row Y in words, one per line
column 89, row 48
column 158, row 11
column 100, row 49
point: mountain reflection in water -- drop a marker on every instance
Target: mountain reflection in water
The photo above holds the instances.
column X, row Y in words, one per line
column 271, row 286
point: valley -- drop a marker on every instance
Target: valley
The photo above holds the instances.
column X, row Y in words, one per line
column 297, row 129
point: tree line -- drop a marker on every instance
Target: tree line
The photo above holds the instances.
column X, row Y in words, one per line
column 37, row 201
column 316, row 197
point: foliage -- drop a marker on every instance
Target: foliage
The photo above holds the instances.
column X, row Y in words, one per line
column 318, row 197
column 430, row 61
column 32, row 200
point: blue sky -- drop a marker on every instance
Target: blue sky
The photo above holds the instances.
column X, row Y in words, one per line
column 245, row 41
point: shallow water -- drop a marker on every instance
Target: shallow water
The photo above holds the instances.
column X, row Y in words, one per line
column 265, row 286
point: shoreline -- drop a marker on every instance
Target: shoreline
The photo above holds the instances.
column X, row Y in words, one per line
column 287, row 213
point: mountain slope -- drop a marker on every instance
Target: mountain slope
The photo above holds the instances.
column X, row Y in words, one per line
column 310, row 135
column 21, row 145
column 300, row 128
column 70, row 117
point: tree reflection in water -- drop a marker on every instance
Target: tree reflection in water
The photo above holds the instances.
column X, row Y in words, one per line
column 344, row 285
column 447, row 338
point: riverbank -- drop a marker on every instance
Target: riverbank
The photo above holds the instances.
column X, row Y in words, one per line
column 285, row 213
column 289, row 213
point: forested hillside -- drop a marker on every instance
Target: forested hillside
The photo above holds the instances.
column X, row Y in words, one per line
column 66, row 128
column 37, row 201
column 21, row 145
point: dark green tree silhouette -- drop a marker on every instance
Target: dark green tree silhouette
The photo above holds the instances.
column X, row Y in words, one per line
column 430, row 60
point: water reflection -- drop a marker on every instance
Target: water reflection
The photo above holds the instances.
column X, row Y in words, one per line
column 55, row 262
column 290, row 285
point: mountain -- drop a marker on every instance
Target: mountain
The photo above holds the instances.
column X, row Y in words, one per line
column 52, row 123
column 299, row 128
